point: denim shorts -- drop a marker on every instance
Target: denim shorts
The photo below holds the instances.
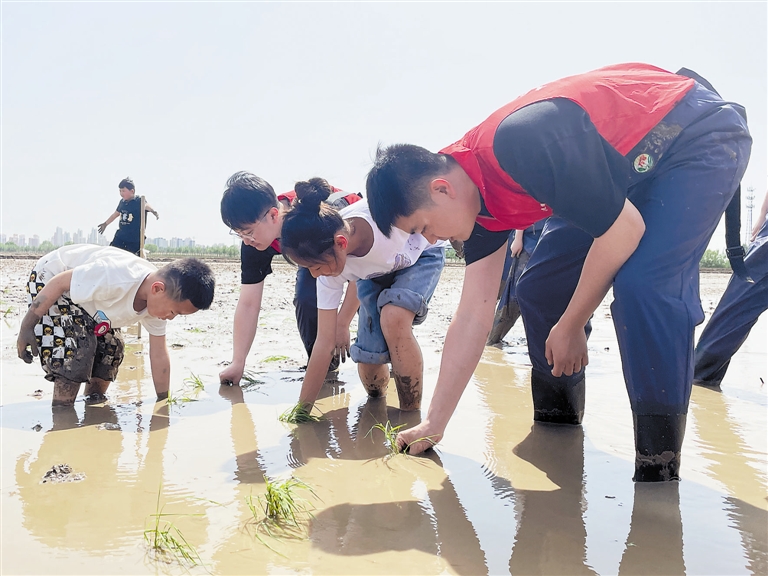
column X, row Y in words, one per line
column 410, row 288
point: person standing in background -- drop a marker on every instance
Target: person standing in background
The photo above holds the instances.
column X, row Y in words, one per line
column 128, row 235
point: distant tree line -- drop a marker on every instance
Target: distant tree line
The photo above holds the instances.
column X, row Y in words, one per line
column 711, row 258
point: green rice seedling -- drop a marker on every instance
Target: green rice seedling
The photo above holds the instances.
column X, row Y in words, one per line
column 275, row 358
column 390, row 436
column 280, row 512
column 194, row 382
column 249, row 380
column 299, row 414
column 8, row 311
column 175, row 400
column 280, row 505
column 166, row 542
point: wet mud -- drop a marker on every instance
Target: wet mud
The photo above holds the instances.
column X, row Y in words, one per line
column 500, row 494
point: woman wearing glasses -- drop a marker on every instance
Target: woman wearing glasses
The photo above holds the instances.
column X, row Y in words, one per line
column 254, row 213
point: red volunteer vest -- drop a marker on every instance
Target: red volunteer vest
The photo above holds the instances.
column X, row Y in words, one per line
column 624, row 102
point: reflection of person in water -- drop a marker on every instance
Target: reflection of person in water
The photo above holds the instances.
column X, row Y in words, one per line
column 655, row 539
column 733, row 468
column 436, row 524
column 551, row 537
column 111, row 501
column 249, row 467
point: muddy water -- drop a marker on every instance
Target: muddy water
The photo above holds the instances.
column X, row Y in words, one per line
column 499, row 495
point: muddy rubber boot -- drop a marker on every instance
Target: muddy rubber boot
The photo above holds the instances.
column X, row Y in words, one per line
column 557, row 402
column 503, row 321
column 658, row 442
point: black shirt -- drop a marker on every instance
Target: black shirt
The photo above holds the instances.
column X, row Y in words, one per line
column 255, row 265
column 553, row 150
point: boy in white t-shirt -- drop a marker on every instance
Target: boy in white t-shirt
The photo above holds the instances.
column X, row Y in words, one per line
column 393, row 278
column 79, row 298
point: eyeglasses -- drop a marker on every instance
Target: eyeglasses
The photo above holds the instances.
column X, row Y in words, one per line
column 241, row 236
column 248, row 236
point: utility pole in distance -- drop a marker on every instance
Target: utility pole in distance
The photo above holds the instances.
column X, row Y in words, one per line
column 750, row 206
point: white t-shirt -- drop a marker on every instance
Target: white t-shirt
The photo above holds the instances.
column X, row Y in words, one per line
column 103, row 278
column 386, row 255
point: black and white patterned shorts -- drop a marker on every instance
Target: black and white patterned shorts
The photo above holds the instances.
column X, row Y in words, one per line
column 68, row 348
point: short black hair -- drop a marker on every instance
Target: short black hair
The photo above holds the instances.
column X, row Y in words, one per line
column 189, row 279
column 309, row 229
column 246, row 199
column 126, row 183
column 396, row 185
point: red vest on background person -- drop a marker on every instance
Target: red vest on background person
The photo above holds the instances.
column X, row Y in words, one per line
column 624, row 102
column 338, row 199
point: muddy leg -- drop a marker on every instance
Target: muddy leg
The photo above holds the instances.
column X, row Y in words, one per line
column 96, row 390
column 404, row 350
column 375, row 378
column 64, row 392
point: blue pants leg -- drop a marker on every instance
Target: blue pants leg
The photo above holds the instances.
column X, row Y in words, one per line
column 543, row 291
column 738, row 310
column 305, row 304
column 656, row 293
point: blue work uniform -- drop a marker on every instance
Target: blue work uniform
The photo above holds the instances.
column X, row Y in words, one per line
column 735, row 315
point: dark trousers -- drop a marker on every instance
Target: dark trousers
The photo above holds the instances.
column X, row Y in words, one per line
column 656, row 292
column 738, row 310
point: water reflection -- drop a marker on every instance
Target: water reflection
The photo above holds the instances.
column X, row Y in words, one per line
column 655, row 541
column 551, row 537
column 249, row 464
column 732, row 466
column 435, row 524
column 107, row 508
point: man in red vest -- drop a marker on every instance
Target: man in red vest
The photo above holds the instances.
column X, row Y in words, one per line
column 636, row 165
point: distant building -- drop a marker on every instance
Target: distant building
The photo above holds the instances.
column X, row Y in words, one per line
column 22, row 240
column 58, row 237
column 93, row 237
column 34, row 242
column 3, row 239
column 78, row 237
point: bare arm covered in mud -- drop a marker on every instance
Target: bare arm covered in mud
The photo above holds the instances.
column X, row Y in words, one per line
column 108, row 221
column 464, row 344
column 46, row 298
column 148, row 208
column 160, row 363
column 243, row 331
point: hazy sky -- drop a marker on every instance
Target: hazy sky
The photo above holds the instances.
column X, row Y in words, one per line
column 181, row 95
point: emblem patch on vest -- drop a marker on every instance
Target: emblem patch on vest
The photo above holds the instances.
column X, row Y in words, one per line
column 643, row 163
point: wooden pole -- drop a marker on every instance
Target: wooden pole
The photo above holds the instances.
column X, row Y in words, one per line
column 143, row 222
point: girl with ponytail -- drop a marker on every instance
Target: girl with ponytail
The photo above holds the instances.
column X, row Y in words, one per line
column 392, row 278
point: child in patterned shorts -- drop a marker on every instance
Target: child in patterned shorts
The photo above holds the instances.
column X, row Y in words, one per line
column 79, row 298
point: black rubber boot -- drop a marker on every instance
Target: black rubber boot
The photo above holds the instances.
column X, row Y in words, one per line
column 503, row 322
column 658, row 442
column 557, row 402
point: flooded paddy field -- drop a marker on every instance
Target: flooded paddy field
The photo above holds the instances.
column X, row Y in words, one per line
column 498, row 495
